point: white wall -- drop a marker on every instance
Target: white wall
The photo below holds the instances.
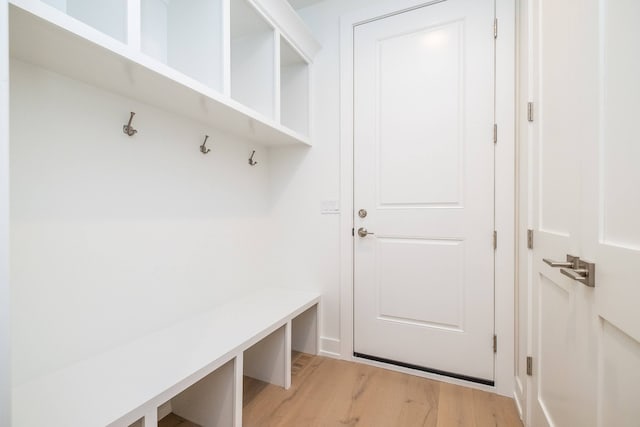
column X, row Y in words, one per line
column 308, row 242
column 115, row 236
column 5, row 366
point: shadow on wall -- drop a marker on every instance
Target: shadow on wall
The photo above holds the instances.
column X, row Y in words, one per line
column 73, row 161
column 286, row 165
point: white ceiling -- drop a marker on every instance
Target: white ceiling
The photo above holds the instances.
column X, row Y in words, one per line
column 299, row 4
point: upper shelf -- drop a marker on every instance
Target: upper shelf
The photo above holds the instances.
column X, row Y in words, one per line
column 45, row 36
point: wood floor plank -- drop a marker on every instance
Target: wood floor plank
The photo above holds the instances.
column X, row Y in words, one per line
column 455, row 406
column 329, row 392
column 172, row 420
column 494, row 410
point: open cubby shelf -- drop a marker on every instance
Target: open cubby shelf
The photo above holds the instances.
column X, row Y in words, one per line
column 194, row 58
column 252, row 59
column 108, row 17
column 186, row 36
column 294, row 89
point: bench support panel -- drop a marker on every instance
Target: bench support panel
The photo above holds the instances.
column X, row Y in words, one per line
column 268, row 359
column 210, row 401
column 304, row 332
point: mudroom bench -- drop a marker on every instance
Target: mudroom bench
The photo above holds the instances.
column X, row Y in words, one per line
column 193, row 369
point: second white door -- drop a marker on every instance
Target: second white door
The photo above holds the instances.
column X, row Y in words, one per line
column 424, row 174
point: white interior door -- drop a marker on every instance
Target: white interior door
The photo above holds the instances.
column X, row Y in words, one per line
column 424, row 174
column 586, row 341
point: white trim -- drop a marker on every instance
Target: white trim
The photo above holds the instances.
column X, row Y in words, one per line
column 330, row 347
column 5, row 341
column 505, row 196
column 294, row 30
column 134, row 24
column 518, row 406
column 524, row 213
column 505, row 188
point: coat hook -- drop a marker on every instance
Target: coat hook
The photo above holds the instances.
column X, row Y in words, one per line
column 128, row 129
column 203, row 147
column 251, row 161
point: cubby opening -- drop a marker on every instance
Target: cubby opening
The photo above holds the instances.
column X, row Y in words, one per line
column 304, row 332
column 186, row 35
column 294, row 89
column 207, row 403
column 252, row 59
column 109, row 17
column 138, row 423
column 265, row 360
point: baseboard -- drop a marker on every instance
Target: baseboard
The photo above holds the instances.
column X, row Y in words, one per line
column 330, row 347
column 518, row 405
column 517, row 395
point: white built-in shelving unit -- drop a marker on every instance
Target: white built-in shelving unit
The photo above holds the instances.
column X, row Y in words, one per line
column 240, row 66
column 294, row 89
column 216, row 61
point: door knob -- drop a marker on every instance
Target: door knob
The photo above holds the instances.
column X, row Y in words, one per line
column 362, row 232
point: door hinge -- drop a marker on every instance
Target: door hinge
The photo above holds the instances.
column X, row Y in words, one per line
column 529, row 365
column 495, row 28
column 495, row 343
column 530, row 111
column 529, row 239
column 495, row 133
column 353, row 232
column 495, row 239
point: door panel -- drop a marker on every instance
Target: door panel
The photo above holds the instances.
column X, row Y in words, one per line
column 617, row 245
column 620, row 385
column 424, row 66
column 424, row 172
column 404, row 295
column 586, row 203
column 564, row 338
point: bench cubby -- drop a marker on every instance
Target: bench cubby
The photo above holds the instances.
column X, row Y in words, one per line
column 208, row 402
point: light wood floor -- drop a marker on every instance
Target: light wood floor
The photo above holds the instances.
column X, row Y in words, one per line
column 328, row 392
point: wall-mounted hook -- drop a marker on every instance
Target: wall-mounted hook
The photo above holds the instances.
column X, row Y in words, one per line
column 251, row 161
column 128, row 129
column 203, row 147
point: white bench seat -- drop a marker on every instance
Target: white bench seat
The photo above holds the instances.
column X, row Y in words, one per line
column 127, row 383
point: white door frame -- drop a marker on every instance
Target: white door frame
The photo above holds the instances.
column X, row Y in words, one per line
column 5, row 342
column 504, row 186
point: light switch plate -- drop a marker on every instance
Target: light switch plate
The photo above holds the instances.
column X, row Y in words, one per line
column 329, row 207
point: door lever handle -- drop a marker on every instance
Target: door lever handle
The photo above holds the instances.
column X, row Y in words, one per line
column 571, row 262
column 585, row 275
column 557, row 263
